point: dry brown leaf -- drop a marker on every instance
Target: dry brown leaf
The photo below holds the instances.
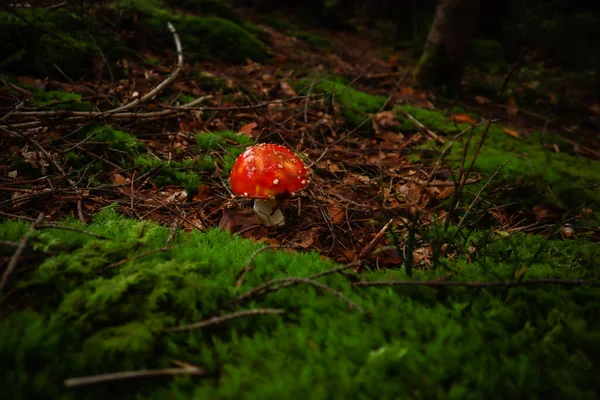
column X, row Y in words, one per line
column 481, row 100
column 462, row 119
column 512, row 108
column 422, row 255
column 119, row 179
column 384, row 121
column 237, row 219
column 286, row 89
column 336, row 214
column 512, row 133
column 247, row 129
column 567, row 231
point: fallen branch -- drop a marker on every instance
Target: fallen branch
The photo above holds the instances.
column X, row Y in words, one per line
column 144, row 373
column 247, row 267
column 371, row 246
column 224, row 318
column 17, row 254
column 480, row 285
column 281, row 283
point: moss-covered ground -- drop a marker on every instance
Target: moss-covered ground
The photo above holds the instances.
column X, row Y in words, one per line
column 85, row 306
column 142, row 237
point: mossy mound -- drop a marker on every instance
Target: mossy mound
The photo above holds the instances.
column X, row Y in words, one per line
column 84, row 306
column 40, row 42
column 203, row 37
column 58, row 100
column 539, row 174
column 356, row 106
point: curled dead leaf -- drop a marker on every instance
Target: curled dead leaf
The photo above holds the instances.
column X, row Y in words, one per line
column 247, row 129
column 336, row 214
column 481, row 100
column 512, row 133
column 462, row 119
column 512, row 109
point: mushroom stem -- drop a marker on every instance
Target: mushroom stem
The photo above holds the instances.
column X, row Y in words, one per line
column 268, row 213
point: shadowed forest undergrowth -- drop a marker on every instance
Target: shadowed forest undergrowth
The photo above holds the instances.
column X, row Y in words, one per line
column 444, row 248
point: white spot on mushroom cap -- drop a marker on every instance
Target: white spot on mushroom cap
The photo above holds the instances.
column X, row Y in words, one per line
column 280, row 166
column 275, row 181
column 303, row 181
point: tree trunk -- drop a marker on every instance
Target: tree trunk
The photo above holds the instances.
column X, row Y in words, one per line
column 448, row 45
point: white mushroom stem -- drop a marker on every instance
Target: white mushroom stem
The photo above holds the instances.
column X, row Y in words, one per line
column 268, row 212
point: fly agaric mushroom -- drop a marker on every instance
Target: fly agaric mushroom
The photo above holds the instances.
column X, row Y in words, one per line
column 268, row 173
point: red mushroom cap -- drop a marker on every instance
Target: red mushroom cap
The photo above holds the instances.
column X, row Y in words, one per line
column 265, row 171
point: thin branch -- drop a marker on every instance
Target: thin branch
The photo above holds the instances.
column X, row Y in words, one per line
column 371, row 246
column 51, row 225
column 281, row 283
column 17, row 254
column 480, row 285
column 144, row 373
column 247, row 267
column 224, row 318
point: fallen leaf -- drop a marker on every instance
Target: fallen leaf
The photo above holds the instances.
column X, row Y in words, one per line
column 481, row 100
column 236, row 219
column 336, row 214
column 567, row 231
column 462, row 119
column 422, row 255
column 512, row 133
column 384, row 121
column 119, row 179
column 13, row 174
column 512, row 108
column 286, row 89
column 247, row 129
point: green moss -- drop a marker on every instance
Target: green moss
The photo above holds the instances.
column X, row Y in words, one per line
column 57, row 100
column 204, row 37
column 187, row 173
column 355, row 105
column 315, row 40
column 72, row 314
column 37, row 39
column 539, row 174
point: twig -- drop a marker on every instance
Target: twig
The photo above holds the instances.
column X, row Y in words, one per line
column 50, row 225
column 224, row 318
column 479, row 285
column 371, row 246
column 17, row 254
column 9, row 244
column 247, row 267
column 148, row 253
column 144, row 373
column 273, row 286
column 423, row 128
column 477, row 197
column 164, row 83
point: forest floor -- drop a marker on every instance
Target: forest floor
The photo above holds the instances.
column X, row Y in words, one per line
column 500, row 188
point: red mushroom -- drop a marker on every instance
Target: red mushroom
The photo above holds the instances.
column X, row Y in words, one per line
column 268, row 173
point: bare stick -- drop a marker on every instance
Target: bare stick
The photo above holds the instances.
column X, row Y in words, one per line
column 144, row 373
column 164, row 83
column 371, row 246
column 480, row 285
column 423, row 128
column 17, row 254
column 247, row 267
column 224, row 318
column 476, row 199
column 273, row 286
column 50, row 225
